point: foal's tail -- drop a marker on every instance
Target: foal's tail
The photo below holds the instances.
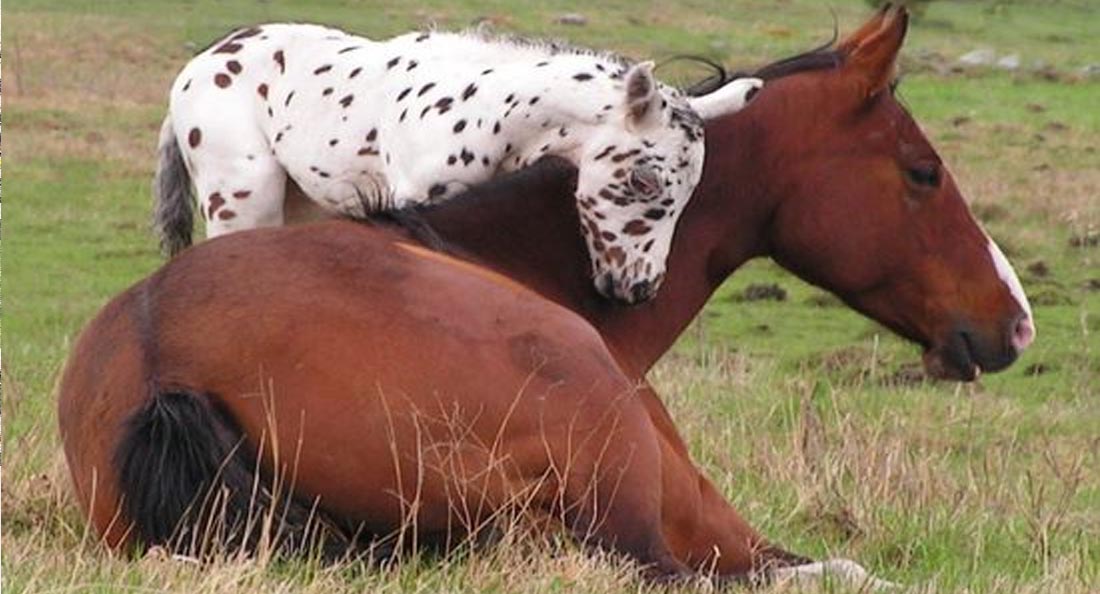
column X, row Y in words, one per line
column 173, row 216
column 189, row 484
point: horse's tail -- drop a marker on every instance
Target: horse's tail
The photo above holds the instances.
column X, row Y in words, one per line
column 188, row 483
column 173, row 201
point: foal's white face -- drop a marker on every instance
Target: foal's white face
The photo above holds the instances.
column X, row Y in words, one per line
column 634, row 182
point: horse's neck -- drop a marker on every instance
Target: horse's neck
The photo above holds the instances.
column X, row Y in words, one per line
column 721, row 228
column 526, row 227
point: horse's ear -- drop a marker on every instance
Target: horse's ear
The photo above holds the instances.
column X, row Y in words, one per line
column 872, row 26
column 873, row 57
column 641, row 91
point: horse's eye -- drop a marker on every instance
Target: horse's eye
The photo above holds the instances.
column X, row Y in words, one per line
column 926, row 176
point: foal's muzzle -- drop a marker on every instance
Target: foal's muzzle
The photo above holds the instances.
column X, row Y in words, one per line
column 626, row 292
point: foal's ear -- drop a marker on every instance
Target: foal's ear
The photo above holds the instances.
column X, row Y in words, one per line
column 641, row 91
column 730, row 98
column 872, row 56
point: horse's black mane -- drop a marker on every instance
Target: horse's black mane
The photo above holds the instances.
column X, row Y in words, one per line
column 823, row 57
column 548, row 173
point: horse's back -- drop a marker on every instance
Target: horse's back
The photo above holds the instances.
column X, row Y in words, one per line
column 350, row 345
column 338, row 296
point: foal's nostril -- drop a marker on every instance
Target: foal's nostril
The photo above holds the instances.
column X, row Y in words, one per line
column 641, row 291
column 605, row 285
column 1023, row 333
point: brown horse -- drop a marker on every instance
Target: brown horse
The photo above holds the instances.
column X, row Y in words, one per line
column 826, row 173
column 400, row 386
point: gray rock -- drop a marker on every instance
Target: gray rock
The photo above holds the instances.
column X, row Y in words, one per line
column 978, row 57
column 1091, row 71
column 572, row 18
column 1009, row 62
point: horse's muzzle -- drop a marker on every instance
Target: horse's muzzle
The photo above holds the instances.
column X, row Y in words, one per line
column 965, row 353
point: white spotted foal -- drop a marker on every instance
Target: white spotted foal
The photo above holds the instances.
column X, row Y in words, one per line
column 364, row 126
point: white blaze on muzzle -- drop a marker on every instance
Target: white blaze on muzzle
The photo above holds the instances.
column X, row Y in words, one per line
column 1009, row 278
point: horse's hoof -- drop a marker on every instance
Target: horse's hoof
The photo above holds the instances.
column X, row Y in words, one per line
column 845, row 571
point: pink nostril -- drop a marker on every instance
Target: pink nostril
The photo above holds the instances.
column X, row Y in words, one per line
column 1023, row 333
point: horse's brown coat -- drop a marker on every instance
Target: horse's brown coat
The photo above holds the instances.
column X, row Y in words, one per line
column 394, row 356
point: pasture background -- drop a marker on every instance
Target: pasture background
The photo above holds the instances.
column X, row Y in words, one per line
column 814, row 421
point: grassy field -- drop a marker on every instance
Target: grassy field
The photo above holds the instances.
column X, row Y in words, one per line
column 814, row 421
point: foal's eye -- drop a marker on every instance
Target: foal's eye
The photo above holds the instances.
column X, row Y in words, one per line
column 926, row 176
column 645, row 180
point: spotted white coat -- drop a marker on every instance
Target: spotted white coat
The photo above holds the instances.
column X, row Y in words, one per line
column 363, row 126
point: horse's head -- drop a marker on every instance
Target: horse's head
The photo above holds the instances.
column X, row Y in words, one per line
column 865, row 207
column 636, row 175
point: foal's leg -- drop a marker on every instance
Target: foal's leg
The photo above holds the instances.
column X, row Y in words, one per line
column 238, row 181
column 244, row 191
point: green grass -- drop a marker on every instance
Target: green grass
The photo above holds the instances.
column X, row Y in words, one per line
column 806, row 415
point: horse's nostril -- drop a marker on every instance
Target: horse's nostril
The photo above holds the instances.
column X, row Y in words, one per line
column 1023, row 333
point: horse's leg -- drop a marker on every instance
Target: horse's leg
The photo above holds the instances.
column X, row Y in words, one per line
column 702, row 528
column 843, row 570
column 706, row 533
column 610, row 500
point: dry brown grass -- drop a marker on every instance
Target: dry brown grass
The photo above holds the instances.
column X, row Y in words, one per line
column 841, row 468
column 90, row 98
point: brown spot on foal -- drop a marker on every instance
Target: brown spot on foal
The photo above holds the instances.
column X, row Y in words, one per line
column 616, row 255
column 228, row 48
column 636, row 227
column 216, row 202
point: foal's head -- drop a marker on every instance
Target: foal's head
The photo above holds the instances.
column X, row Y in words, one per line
column 866, row 208
column 635, row 177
